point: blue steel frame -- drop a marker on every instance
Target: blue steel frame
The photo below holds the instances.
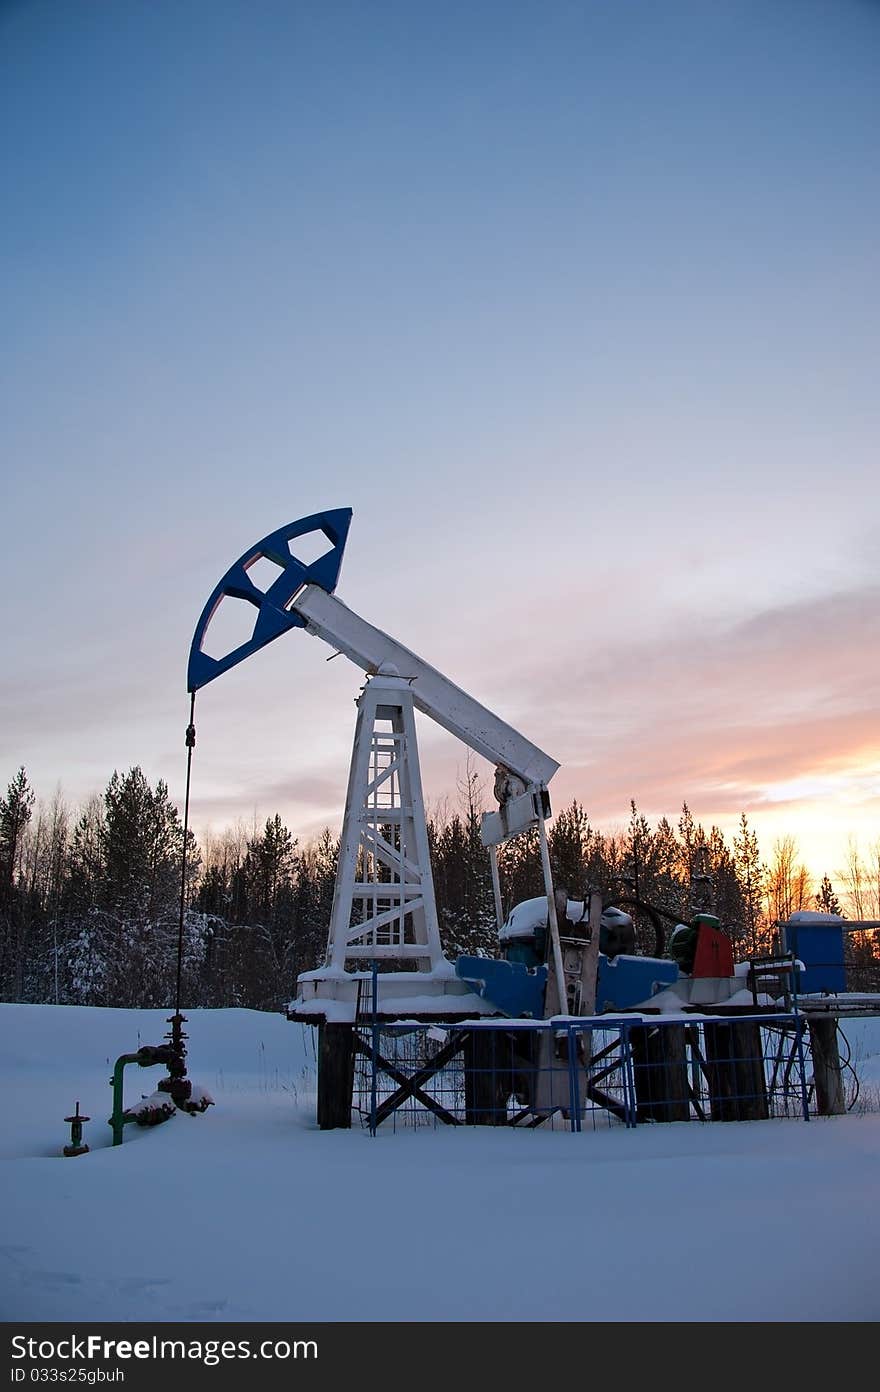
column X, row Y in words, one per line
column 375, row 1073
column 273, row 616
column 571, row 1028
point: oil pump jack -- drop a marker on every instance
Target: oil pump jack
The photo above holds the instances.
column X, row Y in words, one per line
column 384, row 909
column 559, row 957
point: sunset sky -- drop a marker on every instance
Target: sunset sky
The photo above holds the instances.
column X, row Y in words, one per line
column 575, row 304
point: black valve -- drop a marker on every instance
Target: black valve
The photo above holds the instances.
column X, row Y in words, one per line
column 76, row 1145
column 149, row 1054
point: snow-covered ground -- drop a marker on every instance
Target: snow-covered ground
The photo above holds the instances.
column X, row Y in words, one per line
column 250, row 1213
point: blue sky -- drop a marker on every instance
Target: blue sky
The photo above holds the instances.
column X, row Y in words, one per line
column 576, row 306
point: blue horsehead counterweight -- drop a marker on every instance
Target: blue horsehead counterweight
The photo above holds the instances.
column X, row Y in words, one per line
column 274, row 615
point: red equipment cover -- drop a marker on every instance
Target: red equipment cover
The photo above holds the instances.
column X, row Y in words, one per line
column 714, row 954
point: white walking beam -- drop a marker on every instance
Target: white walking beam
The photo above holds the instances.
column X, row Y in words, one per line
column 369, row 648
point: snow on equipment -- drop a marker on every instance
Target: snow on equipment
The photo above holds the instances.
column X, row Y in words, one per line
column 162, row 1104
column 622, row 980
column 149, row 1111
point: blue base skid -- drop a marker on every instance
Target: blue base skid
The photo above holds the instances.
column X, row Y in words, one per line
column 518, row 991
column 511, row 987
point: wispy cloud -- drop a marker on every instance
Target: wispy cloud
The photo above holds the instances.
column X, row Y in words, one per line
column 728, row 717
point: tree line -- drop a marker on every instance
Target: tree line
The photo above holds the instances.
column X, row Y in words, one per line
column 90, row 898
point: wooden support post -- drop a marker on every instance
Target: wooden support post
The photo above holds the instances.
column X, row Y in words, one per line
column 485, row 1078
column 830, row 1098
column 335, row 1075
column 661, row 1074
column 751, row 1082
column 735, row 1064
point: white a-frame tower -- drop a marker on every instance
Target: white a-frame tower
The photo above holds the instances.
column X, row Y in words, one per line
column 383, row 903
column 384, row 910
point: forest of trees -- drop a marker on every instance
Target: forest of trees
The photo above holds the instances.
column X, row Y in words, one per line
column 90, row 898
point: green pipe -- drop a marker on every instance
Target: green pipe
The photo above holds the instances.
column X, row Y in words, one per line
column 117, row 1120
column 147, row 1056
